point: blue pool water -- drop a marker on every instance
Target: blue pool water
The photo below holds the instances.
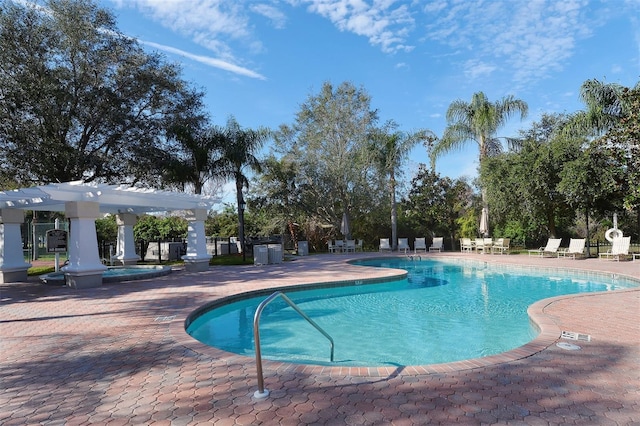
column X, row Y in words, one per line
column 442, row 312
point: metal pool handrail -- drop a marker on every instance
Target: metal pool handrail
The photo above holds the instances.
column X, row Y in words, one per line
column 262, row 392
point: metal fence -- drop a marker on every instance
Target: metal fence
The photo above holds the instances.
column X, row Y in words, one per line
column 34, row 238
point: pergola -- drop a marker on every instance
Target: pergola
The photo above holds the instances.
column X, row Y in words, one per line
column 82, row 204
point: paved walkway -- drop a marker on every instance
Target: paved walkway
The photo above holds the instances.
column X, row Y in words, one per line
column 119, row 355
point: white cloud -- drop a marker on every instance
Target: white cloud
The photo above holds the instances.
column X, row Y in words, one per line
column 213, row 62
column 531, row 38
column 213, row 24
column 278, row 18
column 475, row 69
column 381, row 21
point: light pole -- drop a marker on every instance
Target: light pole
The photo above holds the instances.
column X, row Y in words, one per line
column 242, row 206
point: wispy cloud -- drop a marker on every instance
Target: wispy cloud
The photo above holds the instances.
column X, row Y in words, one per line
column 213, row 24
column 383, row 22
column 216, row 25
column 278, row 18
column 530, row 40
column 213, row 62
column 474, row 68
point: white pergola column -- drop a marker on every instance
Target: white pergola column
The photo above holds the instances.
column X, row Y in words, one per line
column 125, row 248
column 13, row 268
column 84, row 269
column 197, row 258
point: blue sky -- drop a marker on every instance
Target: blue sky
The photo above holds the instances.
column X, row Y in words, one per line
column 259, row 60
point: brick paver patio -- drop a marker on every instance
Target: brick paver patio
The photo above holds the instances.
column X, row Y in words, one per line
column 119, row 355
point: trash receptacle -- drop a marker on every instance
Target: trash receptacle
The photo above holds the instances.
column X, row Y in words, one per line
column 275, row 253
column 260, row 255
column 303, row 248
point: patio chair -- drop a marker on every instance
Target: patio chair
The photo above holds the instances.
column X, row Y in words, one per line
column 359, row 244
column 384, row 245
column 339, row 245
column 420, row 244
column 501, row 246
column 331, row 246
column 553, row 244
column 576, row 248
column 350, row 246
column 466, row 245
column 403, row 244
column 484, row 245
column 437, row 244
column 619, row 249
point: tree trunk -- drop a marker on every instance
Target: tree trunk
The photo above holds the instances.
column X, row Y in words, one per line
column 240, row 199
column 551, row 223
column 394, row 212
column 586, row 219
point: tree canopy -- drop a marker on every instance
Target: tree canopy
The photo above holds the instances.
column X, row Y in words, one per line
column 329, row 143
column 79, row 99
column 478, row 121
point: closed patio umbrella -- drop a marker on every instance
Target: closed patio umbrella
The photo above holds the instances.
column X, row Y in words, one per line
column 344, row 226
column 484, row 222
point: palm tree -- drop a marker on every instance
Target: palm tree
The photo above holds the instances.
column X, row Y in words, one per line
column 609, row 108
column 477, row 121
column 605, row 108
column 390, row 150
column 238, row 148
column 193, row 162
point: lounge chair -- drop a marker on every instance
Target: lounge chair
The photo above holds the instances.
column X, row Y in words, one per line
column 350, row 246
column 466, row 245
column 403, row 244
column 576, row 248
column 420, row 244
column 484, row 244
column 619, row 249
column 384, row 245
column 553, row 244
column 437, row 244
column 501, row 246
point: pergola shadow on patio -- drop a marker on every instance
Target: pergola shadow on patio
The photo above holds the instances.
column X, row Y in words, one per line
column 82, row 204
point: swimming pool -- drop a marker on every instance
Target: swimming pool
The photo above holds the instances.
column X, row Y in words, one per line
column 442, row 312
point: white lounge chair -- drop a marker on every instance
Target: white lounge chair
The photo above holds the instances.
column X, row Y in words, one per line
column 619, row 249
column 501, row 246
column 466, row 245
column 576, row 248
column 350, row 246
column 420, row 244
column 437, row 244
column 553, row 244
column 384, row 245
column 403, row 244
column 484, row 245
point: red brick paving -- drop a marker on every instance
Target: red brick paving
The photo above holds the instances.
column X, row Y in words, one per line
column 119, row 355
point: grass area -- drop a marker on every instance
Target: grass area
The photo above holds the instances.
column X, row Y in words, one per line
column 230, row 260
column 39, row 270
